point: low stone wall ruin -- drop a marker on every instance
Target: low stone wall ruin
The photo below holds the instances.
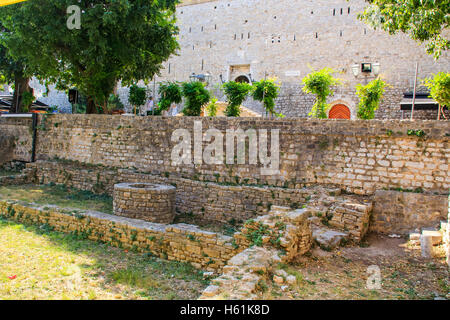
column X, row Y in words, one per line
column 180, row 242
column 403, row 212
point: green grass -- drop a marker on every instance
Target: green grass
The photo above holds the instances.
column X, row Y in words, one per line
column 58, row 195
column 52, row 265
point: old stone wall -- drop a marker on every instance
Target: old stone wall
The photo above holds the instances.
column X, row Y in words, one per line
column 403, row 212
column 206, row 200
column 359, row 156
column 180, row 242
column 15, row 139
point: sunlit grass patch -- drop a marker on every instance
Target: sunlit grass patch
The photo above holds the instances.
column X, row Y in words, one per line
column 36, row 264
column 58, row 195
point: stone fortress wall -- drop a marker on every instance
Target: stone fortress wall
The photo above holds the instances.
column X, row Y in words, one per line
column 284, row 38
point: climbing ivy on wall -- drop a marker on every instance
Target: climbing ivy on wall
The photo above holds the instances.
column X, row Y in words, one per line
column 236, row 93
column 319, row 83
column 439, row 87
column 267, row 91
column 370, row 97
column 170, row 92
column 196, row 97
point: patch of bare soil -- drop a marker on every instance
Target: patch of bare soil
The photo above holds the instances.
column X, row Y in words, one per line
column 344, row 273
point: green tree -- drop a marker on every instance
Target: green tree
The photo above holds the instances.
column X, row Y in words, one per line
column 267, row 91
column 169, row 92
column 212, row 108
column 196, row 97
column 114, row 103
column 425, row 20
column 137, row 97
column 439, row 86
column 236, row 93
column 370, row 97
column 14, row 71
column 320, row 83
column 118, row 40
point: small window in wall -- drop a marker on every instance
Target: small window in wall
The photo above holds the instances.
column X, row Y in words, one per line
column 169, row 68
column 341, row 11
column 317, row 36
column 249, row 35
column 334, row 12
column 348, row 10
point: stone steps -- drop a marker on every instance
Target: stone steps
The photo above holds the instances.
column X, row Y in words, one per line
column 328, row 239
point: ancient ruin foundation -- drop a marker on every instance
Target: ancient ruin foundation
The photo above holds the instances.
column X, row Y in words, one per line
column 145, row 201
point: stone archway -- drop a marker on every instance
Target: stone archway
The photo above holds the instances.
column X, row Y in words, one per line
column 339, row 111
column 242, row 79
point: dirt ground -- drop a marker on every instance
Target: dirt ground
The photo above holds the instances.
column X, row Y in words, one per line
column 344, row 273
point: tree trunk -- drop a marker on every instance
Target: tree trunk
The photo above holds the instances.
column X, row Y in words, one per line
column 20, row 86
column 91, row 108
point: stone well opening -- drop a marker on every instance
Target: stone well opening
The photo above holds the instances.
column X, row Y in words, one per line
column 146, row 201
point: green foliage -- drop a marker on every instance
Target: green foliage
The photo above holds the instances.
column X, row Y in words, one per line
column 27, row 100
column 137, row 96
column 236, row 93
column 267, row 91
column 196, row 97
column 118, row 40
column 319, row 83
column 170, row 92
column 424, row 21
column 418, row 133
column 370, row 97
column 212, row 108
column 114, row 102
column 439, row 87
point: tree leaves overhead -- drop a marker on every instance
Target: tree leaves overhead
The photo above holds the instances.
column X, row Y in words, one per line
column 118, row 40
column 425, row 20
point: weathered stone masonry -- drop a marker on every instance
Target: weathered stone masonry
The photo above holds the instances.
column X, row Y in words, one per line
column 96, row 152
column 359, row 156
column 180, row 242
column 283, row 38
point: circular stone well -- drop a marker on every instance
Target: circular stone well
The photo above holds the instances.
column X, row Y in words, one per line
column 145, row 201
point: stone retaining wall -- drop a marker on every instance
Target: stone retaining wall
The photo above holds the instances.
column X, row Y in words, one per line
column 180, row 242
column 15, row 139
column 403, row 212
column 359, row 156
column 206, row 200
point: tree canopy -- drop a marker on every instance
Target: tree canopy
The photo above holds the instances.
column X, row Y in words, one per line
column 118, row 40
column 426, row 20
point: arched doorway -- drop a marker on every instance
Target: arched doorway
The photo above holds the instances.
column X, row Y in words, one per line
column 339, row 111
column 242, row 79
